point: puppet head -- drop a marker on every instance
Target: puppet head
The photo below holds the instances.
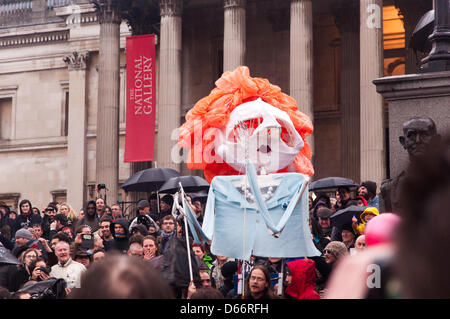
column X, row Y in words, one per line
column 274, row 138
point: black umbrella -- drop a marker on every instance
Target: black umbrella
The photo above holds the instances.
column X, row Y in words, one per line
column 149, row 180
column 344, row 216
column 331, row 182
column 419, row 39
column 7, row 258
column 189, row 183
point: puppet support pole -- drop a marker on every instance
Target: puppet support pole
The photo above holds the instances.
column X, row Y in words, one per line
column 187, row 233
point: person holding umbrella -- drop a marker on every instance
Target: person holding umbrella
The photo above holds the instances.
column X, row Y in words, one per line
column 345, row 199
column 143, row 217
column 165, row 205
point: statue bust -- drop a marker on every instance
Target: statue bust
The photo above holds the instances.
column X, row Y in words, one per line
column 419, row 136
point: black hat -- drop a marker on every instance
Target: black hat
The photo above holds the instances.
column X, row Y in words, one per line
column 324, row 213
column 81, row 253
column 348, row 227
column 229, row 268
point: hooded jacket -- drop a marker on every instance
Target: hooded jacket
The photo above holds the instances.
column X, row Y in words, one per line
column 90, row 220
column 120, row 242
column 360, row 228
column 303, row 282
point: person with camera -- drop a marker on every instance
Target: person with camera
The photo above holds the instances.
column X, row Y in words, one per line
column 59, row 222
column 143, row 217
column 49, row 217
column 39, row 270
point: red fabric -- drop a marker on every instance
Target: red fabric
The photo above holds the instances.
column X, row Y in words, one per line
column 363, row 199
column 303, row 282
column 141, row 103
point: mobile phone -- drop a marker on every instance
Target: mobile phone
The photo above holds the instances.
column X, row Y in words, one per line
column 87, row 241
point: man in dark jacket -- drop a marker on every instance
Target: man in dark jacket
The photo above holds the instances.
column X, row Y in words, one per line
column 119, row 230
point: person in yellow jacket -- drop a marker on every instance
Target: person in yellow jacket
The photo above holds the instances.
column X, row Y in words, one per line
column 366, row 216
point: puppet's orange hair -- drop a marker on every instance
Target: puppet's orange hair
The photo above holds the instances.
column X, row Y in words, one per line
column 213, row 111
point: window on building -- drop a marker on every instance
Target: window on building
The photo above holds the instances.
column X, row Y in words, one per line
column 65, row 108
column 59, row 196
column 10, row 199
column 5, row 119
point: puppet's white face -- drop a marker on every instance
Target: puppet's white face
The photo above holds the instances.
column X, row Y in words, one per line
column 271, row 138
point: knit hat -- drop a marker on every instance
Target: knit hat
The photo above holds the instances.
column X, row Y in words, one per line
column 229, row 268
column 142, row 204
column 23, row 233
column 337, row 248
column 324, row 213
column 371, row 188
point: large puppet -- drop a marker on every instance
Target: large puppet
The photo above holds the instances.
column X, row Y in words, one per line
column 249, row 138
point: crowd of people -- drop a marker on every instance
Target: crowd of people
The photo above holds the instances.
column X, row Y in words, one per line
column 56, row 252
column 57, row 242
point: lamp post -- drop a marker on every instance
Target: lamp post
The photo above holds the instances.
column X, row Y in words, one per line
column 439, row 57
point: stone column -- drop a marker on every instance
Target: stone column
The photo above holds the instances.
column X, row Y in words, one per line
column 76, row 138
column 301, row 58
column 234, row 38
column 347, row 20
column 373, row 163
column 107, row 159
column 169, row 113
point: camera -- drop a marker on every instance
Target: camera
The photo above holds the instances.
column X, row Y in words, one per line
column 47, row 270
column 101, row 186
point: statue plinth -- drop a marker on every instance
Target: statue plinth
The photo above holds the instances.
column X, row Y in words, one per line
column 409, row 96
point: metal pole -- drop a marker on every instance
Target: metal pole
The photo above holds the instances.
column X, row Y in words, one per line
column 439, row 57
column 186, row 233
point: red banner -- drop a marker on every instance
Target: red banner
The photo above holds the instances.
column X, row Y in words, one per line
column 141, row 103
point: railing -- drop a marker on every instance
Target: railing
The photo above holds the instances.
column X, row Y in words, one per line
column 16, row 6
column 14, row 12
column 58, row 3
column 22, row 12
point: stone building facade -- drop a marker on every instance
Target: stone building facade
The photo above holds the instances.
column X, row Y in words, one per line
column 324, row 53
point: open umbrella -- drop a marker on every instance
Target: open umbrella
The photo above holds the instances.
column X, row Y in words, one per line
column 344, row 216
column 189, row 183
column 7, row 258
column 331, row 182
column 149, row 180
